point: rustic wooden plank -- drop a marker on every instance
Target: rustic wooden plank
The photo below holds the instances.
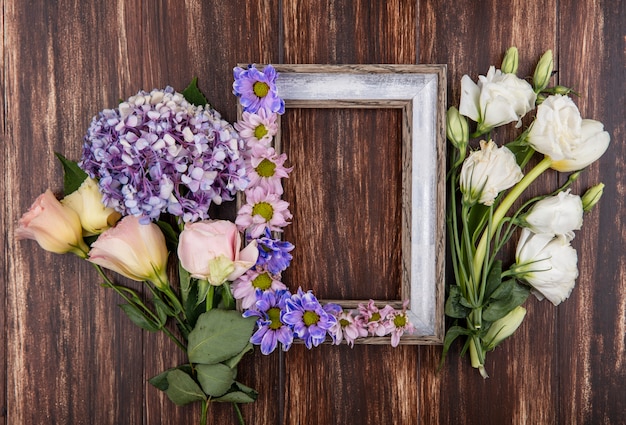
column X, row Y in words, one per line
column 524, row 370
column 66, row 341
column 344, row 190
column 4, row 239
column 592, row 325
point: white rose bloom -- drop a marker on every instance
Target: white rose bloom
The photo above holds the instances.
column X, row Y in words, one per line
column 548, row 263
column 496, row 100
column 487, row 172
column 561, row 134
column 558, row 215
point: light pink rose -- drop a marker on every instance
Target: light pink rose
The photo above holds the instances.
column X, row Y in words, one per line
column 134, row 250
column 54, row 226
column 210, row 250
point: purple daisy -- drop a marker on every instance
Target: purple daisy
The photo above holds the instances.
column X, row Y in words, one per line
column 398, row 324
column 257, row 89
column 271, row 330
column 310, row 321
column 273, row 253
column 374, row 319
column 248, row 284
column 157, row 153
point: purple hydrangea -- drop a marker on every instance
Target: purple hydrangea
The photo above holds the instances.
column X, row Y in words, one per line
column 273, row 253
column 158, row 153
column 310, row 321
column 257, row 89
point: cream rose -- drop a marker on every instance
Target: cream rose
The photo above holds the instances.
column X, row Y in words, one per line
column 496, row 100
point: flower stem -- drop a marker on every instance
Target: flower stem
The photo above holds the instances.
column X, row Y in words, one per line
column 209, row 297
column 239, row 415
column 203, row 418
column 503, row 208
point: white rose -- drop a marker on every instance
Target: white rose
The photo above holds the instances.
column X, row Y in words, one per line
column 487, row 172
column 561, row 134
column 496, row 100
column 558, row 215
column 548, row 263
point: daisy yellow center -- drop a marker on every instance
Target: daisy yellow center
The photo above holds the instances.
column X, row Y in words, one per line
column 265, row 168
column 262, row 282
column 260, row 131
column 263, row 209
column 274, row 315
column 375, row 317
column 399, row 321
column 261, row 89
column 310, row 318
column 344, row 323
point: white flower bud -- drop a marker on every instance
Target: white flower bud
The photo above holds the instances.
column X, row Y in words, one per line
column 560, row 214
column 510, row 61
column 543, row 71
column 504, row 327
column 592, row 197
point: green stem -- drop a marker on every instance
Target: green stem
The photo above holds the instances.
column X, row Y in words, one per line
column 209, row 297
column 203, row 418
column 239, row 415
column 503, row 208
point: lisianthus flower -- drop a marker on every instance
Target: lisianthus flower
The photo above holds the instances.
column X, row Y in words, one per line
column 158, row 153
column 548, row 263
column 54, row 226
column 348, row 328
column 497, row 99
column 274, row 254
column 266, row 169
column 271, row 330
column 308, row 318
column 504, row 327
column 560, row 214
column 561, row 134
column 257, row 128
column 211, row 250
column 487, row 172
column 134, row 250
column 246, row 286
column 374, row 319
column 86, row 201
column 257, row 89
column 398, row 324
column 262, row 210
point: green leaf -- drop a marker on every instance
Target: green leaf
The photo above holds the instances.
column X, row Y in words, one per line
column 160, row 381
column 454, row 307
column 240, row 394
column 218, row 336
column 203, row 290
column 139, row 318
column 182, row 389
column 494, row 279
column 215, row 379
column 73, row 176
column 501, row 307
column 193, row 94
column 453, row 333
column 162, row 310
column 234, row 361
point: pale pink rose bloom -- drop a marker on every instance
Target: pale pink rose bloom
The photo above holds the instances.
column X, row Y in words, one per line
column 55, row 227
column 134, row 250
column 211, row 250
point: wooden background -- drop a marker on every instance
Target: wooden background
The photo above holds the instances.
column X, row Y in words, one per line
column 71, row 357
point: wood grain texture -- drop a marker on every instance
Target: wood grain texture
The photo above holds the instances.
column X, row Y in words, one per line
column 592, row 323
column 71, row 357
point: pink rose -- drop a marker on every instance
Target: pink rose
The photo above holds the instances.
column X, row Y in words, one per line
column 210, row 250
column 54, row 226
column 134, row 250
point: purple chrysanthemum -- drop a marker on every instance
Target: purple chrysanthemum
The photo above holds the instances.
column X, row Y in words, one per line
column 247, row 285
column 257, row 89
column 308, row 318
column 157, row 153
column 271, row 330
column 273, row 253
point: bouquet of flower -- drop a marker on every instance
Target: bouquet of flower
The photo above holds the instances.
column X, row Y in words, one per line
column 149, row 172
column 486, row 299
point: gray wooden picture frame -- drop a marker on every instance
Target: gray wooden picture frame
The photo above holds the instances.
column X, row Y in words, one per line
column 420, row 92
